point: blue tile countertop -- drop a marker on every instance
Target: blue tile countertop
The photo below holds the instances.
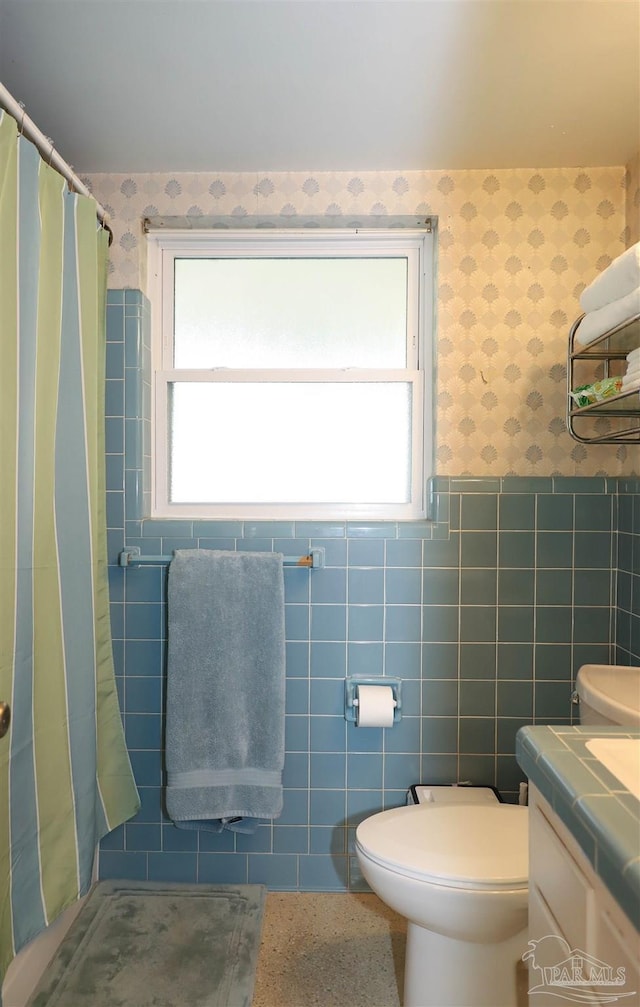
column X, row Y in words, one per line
column 600, row 813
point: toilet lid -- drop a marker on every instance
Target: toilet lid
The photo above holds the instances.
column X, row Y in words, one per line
column 465, row 846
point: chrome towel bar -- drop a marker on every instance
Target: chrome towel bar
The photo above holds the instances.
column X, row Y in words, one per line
column 131, row 556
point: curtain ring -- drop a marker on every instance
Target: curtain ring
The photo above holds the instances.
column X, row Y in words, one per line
column 50, row 141
column 24, row 113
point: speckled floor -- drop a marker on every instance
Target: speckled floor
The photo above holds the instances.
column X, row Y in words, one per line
column 326, row 949
column 329, row 949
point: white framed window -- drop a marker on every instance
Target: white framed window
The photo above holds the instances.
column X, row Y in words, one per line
column 292, row 373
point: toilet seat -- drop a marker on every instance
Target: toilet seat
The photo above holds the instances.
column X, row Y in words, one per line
column 481, row 847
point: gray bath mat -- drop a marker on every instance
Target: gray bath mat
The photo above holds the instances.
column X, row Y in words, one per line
column 143, row 944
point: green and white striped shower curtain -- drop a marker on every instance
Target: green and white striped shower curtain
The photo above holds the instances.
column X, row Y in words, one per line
column 65, row 776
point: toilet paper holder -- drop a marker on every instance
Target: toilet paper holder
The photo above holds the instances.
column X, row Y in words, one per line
column 351, row 695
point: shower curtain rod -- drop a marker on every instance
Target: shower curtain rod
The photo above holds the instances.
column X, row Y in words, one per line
column 46, row 148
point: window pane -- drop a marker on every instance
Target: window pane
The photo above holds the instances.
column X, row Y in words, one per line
column 301, row 312
column 278, row 442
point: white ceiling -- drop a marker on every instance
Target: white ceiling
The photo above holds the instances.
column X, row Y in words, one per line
column 297, row 85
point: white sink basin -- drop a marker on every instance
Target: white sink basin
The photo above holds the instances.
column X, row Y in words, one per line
column 609, row 694
column 621, row 756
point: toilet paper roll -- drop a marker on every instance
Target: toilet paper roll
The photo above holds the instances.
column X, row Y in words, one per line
column 375, row 706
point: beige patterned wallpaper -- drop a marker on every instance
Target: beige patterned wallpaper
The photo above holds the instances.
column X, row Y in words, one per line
column 515, row 247
column 632, row 189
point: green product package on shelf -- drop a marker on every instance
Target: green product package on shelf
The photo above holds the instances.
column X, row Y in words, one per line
column 586, row 395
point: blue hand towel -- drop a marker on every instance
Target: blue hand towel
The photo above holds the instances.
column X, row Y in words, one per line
column 225, row 689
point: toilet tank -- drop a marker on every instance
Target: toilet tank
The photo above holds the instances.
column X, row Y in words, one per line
column 609, row 694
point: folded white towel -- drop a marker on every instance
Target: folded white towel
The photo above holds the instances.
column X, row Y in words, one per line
column 614, row 282
column 596, row 323
column 634, row 356
column 632, row 374
column 630, row 381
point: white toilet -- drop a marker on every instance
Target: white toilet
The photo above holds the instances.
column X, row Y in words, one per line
column 457, row 868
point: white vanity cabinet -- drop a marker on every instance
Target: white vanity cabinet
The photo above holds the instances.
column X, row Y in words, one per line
column 568, row 900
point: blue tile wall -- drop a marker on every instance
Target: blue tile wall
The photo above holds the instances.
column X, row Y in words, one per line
column 485, row 615
column 628, row 581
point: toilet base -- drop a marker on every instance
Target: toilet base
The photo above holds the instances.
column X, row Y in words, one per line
column 443, row 972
